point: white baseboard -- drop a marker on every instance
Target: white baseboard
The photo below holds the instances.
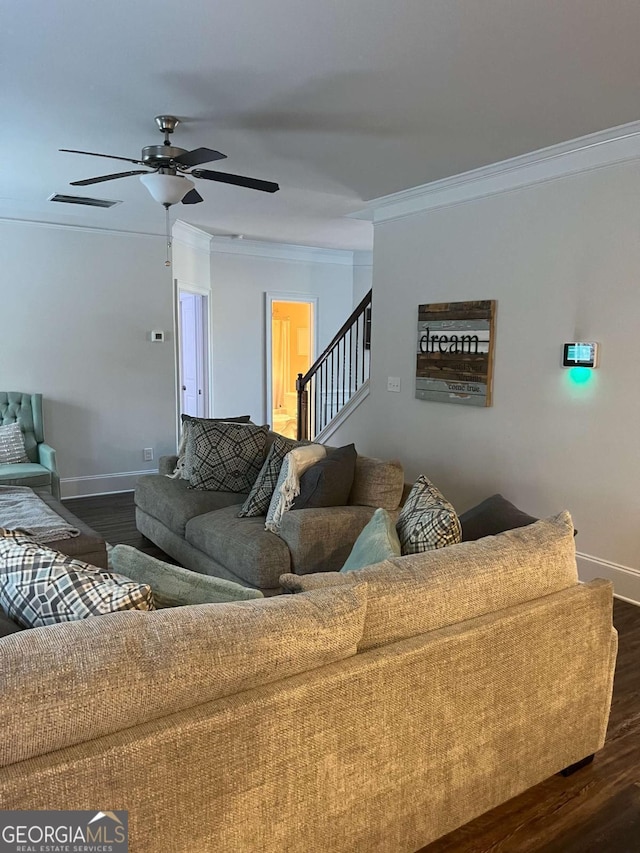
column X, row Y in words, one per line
column 626, row 581
column 101, row 484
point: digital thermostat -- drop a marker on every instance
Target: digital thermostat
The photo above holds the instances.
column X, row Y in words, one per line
column 580, row 354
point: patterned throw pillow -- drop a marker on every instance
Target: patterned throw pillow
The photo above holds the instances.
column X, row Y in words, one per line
column 12, row 447
column 224, row 457
column 260, row 495
column 40, row 586
column 180, row 471
column 427, row 520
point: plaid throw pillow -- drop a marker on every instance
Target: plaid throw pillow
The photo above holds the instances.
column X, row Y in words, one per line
column 260, row 495
column 224, row 457
column 40, row 586
column 12, row 447
column 427, row 520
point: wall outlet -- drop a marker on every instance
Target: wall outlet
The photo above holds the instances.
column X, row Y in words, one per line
column 148, row 454
column 393, row 384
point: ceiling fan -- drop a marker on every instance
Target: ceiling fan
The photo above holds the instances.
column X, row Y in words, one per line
column 168, row 168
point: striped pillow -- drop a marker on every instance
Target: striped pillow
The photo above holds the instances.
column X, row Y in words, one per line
column 12, row 447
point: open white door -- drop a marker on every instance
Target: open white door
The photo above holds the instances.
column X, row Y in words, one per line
column 194, row 397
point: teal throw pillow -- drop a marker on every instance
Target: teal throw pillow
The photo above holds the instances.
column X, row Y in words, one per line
column 378, row 541
column 173, row 586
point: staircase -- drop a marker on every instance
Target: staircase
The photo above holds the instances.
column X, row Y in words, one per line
column 338, row 379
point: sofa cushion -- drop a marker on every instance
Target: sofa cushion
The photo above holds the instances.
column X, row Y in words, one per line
column 427, row 520
column 378, row 541
column 423, row 592
column 494, row 515
column 41, row 586
column 224, row 456
column 25, row 473
column 264, row 486
column 377, row 483
column 329, row 481
column 173, row 503
column 8, row 625
column 173, row 586
column 241, row 545
column 131, row 668
column 12, row 447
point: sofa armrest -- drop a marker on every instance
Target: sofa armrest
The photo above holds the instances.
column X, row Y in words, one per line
column 320, row 540
column 167, row 464
column 47, row 457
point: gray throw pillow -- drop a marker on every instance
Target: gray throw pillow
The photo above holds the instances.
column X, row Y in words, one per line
column 494, row 515
column 224, row 457
column 427, row 520
column 329, row 481
column 259, row 498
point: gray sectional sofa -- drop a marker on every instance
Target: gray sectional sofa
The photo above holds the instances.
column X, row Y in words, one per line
column 202, row 531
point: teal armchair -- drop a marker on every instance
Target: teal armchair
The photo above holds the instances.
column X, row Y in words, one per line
column 41, row 471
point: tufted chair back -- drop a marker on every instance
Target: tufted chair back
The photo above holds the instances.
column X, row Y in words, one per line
column 41, row 471
column 25, row 409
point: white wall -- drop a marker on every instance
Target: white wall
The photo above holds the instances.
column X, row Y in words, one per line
column 362, row 275
column 238, row 286
column 77, row 307
column 562, row 259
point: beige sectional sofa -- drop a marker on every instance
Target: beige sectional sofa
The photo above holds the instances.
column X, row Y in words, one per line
column 372, row 711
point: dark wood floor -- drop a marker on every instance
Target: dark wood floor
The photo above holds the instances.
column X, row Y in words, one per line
column 597, row 810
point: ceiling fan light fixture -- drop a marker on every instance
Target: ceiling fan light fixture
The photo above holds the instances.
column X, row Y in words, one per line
column 167, row 189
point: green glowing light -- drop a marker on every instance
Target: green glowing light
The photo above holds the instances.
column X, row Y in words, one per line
column 580, row 375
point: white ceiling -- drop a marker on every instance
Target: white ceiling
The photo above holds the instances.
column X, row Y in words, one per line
column 339, row 101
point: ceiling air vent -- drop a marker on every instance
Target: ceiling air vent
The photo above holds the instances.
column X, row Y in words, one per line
column 83, row 199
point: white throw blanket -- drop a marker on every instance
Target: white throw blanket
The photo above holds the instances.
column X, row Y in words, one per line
column 287, row 488
column 22, row 509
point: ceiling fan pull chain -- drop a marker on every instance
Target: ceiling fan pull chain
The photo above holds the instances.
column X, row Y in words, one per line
column 167, row 263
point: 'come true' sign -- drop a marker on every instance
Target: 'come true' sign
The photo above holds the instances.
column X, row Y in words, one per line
column 455, row 352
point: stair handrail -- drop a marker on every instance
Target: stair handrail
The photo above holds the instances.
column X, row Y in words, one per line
column 304, row 379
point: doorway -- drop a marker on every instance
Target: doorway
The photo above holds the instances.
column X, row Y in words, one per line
column 291, row 343
column 193, row 312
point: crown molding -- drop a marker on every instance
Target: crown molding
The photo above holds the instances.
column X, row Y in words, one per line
column 191, row 236
column 280, row 251
column 595, row 151
column 70, row 226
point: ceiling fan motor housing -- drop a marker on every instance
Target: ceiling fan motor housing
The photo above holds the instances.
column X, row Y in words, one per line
column 158, row 155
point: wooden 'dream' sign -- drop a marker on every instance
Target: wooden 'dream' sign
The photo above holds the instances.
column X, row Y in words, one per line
column 455, row 352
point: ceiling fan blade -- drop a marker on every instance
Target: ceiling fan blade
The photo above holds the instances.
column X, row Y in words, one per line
column 237, row 180
column 192, row 197
column 89, row 181
column 93, row 154
column 199, row 155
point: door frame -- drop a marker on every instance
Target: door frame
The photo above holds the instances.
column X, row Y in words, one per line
column 179, row 287
column 284, row 296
